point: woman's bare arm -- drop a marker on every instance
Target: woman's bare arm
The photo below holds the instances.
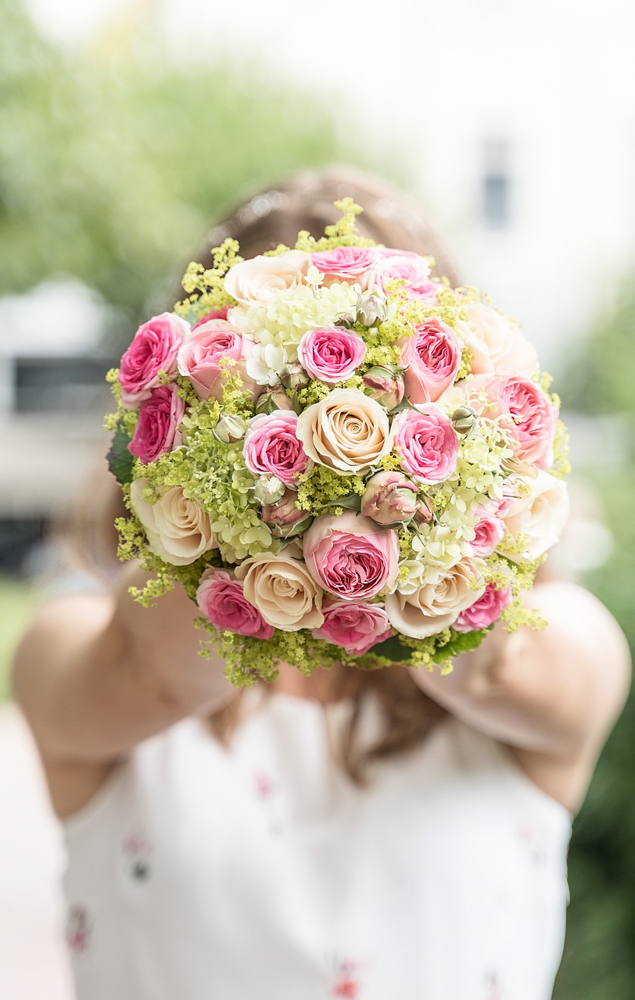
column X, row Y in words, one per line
column 97, row 674
column 552, row 695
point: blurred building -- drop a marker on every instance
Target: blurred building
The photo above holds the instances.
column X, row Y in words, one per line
column 52, row 401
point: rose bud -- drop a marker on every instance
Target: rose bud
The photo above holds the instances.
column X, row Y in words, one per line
column 230, row 428
column 269, row 489
column 293, row 376
column 273, row 399
column 464, row 420
column 285, row 519
column 385, row 384
column 423, row 513
column 390, row 498
column 371, row 309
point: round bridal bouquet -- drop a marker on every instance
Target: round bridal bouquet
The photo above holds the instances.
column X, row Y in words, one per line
column 339, row 457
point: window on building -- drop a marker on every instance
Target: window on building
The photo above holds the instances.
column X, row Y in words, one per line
column 496, row 194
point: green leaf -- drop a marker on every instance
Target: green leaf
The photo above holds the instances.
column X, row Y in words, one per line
column 393, row 649
column 461, row 642
column 119, row 459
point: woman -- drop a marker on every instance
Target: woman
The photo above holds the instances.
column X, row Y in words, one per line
column 370, row 835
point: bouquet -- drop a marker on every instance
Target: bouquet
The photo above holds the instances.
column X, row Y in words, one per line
column 339, row 457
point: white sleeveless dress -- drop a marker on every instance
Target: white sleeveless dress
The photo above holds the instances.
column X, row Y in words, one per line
column 261, row 873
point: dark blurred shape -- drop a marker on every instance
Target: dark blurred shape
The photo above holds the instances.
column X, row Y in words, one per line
column 496, row 183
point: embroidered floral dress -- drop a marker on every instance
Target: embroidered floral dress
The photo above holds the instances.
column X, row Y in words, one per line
column 261, row 873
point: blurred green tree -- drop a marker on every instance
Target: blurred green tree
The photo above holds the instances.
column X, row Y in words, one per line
column 115, row 158
column 599, row 959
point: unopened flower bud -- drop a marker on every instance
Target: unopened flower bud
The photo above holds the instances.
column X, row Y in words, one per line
column 423, row 513
column 463, row 419
column 371, row 309
column 390, row 498
column 293, row 376
column 273, row 399
column 230, row 428
column 269, row 489
column 385, row 384
column 285, row 520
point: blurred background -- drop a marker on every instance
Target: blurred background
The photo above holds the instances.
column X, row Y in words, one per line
column 128, row 126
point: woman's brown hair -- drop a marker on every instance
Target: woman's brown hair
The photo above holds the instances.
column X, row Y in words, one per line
column 390, row 217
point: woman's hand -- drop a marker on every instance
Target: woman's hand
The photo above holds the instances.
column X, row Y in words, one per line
column 96, row 674
column 553, row 694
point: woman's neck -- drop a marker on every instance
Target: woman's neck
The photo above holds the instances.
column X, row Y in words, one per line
column 322, row 685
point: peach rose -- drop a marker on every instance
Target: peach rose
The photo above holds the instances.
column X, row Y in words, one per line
column 539, row 516
column 282, row 590
column 496, row 342
column 432, row 607
column 254, row 281
column 347, row 431
column 178, row 530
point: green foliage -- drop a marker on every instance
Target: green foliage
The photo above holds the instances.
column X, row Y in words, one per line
column 599, row 961
column 114, row 160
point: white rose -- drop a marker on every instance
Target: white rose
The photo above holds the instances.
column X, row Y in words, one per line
column 496, row 343
column 178, row 530
column 347, row 431
column 539, row 515
column 434, row 606
column 255, row 280
column 282, row 590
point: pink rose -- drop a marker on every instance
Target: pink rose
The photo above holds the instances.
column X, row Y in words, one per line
column 222, row 601
column 532, row 420
column 212, row 314
column 351, row 556
column 354, row 626
column 157, row 425
column 272, row 446
column 331, row 354
column 496, row 343
column 402, row 265
column 485, row 610
column 427, row 442
column 433, row 357
column 489, row 531
column 200, row 356
column 348, row 264
column 153, row 350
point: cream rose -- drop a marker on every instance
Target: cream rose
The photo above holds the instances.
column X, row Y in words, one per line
column 282, row 590
column 178, row 530
column 428, row 609
column 347, row 431
column 539, row 516
column 496, row 343
column 253, row 281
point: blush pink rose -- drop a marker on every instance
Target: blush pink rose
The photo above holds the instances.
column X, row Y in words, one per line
column 272, row 446
column 222, row 601
column 532, row 418
column 402, row 265
column 346, row 264
column 200, row 356
column 432, row 357
column 157, row 425
column 212, row 314
column 153, row 350
column 351, row 556
column 427, row 443
column 355, row 626
column 489, row 531
column 331, row 354
column 485, row 610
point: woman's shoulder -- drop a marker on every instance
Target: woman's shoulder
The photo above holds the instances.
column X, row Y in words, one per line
column 579, row 623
